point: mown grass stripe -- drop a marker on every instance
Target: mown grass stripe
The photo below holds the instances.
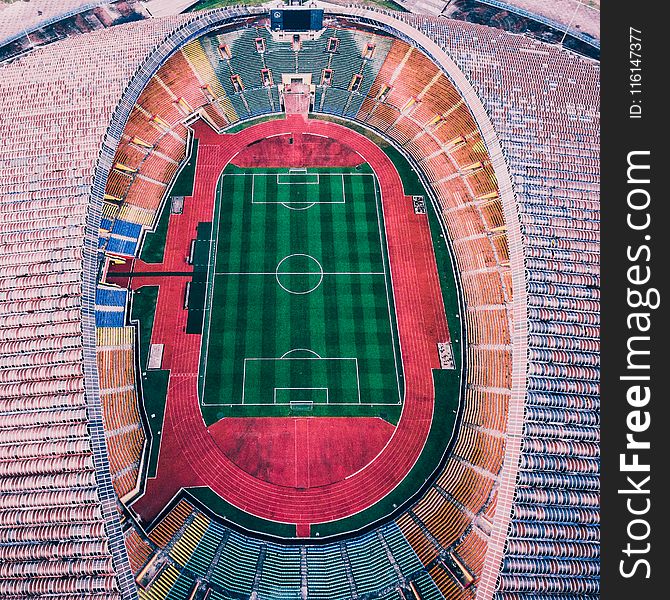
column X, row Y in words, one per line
column 341, row 318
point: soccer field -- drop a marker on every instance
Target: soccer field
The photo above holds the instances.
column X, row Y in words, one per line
column 299, row 316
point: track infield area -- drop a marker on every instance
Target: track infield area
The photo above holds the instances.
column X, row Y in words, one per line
column 299, row 309
column 299, row 315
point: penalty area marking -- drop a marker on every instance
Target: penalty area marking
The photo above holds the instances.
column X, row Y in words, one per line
column 298, row 204
column 310, row 178
column 285, row 355
column 305, row 207
column 284, row 358
column 300, row 389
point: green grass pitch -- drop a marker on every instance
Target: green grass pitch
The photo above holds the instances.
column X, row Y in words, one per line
column 299, row 308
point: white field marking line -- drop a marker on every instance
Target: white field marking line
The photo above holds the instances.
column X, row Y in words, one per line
column 305, row 202
column 273, row 273
column 211, row 276
column 274, row 394
column 295, row 183
column 304, row 293
column 288, row 205
column 244, row 380
column 363, row 404
column 290, row 175
column 333, row 173
column 301, row 204
column 358, row 382
column 313, row 288
column 302, row 357
column 400, row 402
column 377, row 455
column 378, row 203
column 347, row 273
column 285, row 355
column 299, row 254
column 310, row 202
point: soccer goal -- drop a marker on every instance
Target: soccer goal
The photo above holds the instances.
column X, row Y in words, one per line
column 297, row 177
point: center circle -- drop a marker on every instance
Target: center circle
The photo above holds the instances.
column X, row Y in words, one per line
column 299, row 274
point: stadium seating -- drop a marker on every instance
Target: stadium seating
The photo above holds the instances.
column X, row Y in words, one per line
column 472, row 549
column 427, row 587
column 424, row 114
column 139, row 550
column 447, row 585
column 563, row 243
column 280, row 575
column 171, row 523
column 124, row 430
column 237, row 570
column 154, row 146
column 110, row 306
column 199, row 548
column 325, row 576
column 425, row 547
column 551, row 154
column 168, row 584
column 204, row 554
column 186, row 544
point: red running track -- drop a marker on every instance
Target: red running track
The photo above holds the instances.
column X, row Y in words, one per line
column 189, row 454
column 301, row 452
column 297, row 150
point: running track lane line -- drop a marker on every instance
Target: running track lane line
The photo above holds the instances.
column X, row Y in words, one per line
column 414, row 274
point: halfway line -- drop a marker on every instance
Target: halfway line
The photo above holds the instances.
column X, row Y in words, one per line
column 273, row 273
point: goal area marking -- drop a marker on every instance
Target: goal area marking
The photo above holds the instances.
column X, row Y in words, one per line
column 297, row 396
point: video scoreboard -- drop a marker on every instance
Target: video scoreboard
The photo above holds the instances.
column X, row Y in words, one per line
column 298, row 19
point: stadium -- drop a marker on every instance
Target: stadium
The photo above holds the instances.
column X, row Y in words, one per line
column 297, row 302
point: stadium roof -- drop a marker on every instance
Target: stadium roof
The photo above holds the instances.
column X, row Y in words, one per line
column 21, row 17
